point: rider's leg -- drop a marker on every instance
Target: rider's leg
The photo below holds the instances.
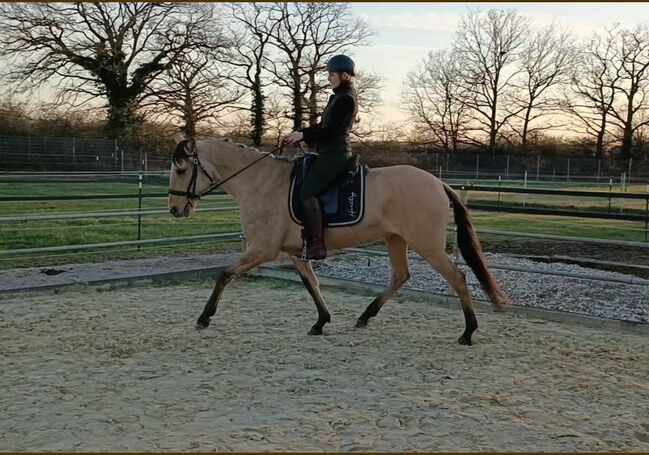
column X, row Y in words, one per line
column 323, row 172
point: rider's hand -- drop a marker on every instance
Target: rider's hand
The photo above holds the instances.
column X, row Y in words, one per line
column 294, row 138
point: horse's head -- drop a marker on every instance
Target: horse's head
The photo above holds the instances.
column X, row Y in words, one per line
column 188, row 179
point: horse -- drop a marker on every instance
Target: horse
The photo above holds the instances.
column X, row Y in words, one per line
column 406, row 207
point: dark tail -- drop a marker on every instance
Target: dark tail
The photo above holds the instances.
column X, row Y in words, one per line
column 467, row 240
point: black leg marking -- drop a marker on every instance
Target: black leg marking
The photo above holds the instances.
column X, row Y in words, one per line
column 371, row 311
column 471, row 325
column 323, row 314
column 210, row 307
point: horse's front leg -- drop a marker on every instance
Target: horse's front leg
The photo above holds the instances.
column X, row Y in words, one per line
column 248, row 261
column 311, row 283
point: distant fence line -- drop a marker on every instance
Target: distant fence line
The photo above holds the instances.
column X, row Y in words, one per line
column 32, row 153
column 532, row 167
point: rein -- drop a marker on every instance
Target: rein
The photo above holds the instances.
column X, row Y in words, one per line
column 191, row 193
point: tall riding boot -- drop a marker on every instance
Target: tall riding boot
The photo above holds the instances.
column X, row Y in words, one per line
column 313, row 231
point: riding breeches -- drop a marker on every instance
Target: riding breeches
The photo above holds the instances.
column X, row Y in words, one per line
column 322, row 174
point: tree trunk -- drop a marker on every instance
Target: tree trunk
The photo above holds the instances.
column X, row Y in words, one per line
column 189, row 128
column 627, row 138
column 313, row 101
column 526, row 125
column 257, row 110
column 599, row 145
column 121, row 116
column 297, row 107
column 492, row 125
column 492, row 137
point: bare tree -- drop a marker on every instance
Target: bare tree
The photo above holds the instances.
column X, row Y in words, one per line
column 632, row 84
column 489, row 45
column 368, row 89
column 193, row 91
column 591, row 95
column 433, row 97
column 236, row 127
column 307, row 36
column 333, row 30
column 547, row 58
column 252, row 29
column 291, row 38
column 277, row 115
column 109, row 50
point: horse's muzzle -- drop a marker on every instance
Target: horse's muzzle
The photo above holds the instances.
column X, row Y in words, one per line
column 185, row 211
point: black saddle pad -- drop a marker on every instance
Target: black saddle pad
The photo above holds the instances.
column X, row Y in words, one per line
column 343, row 204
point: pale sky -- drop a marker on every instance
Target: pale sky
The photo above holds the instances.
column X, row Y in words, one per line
column 406, row 32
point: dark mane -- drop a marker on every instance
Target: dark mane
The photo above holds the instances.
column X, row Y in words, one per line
column 180, row 154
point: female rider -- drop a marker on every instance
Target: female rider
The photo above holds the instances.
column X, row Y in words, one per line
column 331, row 140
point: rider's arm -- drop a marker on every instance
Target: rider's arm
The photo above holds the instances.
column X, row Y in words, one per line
column 342, row 108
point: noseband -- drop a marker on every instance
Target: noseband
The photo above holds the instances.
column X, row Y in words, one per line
column 191, row 193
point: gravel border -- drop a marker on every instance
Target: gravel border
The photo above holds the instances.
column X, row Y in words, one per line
column 573, row 295
column 618, row 301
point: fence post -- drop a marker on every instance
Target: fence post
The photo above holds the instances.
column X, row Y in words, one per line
column 507, row 169
column 599, row 168
column 477, row 165
column 623, row 182
column 628, row 175
column 498, row 191
column 646, row 214
column 568, row 171
column 525, row 186
column 139, row 209
column 74, row 148
column 610, row 190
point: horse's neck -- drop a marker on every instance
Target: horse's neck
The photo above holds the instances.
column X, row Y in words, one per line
column 231, row 159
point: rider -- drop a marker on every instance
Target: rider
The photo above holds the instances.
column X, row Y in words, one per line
column 331, row 140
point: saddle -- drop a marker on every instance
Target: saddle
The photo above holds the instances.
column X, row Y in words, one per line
column 343, row 204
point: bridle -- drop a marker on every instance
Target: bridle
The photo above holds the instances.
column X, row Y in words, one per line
column 191, row 194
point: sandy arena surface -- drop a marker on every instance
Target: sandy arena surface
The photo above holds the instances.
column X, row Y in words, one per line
column 122, row 369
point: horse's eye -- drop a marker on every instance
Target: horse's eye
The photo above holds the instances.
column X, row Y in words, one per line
column 181, row 171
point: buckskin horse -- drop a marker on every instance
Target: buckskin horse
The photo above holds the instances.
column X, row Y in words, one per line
column 405, row 206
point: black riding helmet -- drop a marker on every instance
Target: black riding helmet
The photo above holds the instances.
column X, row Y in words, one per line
column 342, row 64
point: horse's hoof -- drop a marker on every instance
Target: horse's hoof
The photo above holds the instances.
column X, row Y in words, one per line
column 465, row 341
column 315, row 331
column 200, row 325
column 360, row 323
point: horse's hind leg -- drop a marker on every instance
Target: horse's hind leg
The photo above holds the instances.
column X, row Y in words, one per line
column 310, row 281
column 248, row 261
column 398, row 251
column 456, row 278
